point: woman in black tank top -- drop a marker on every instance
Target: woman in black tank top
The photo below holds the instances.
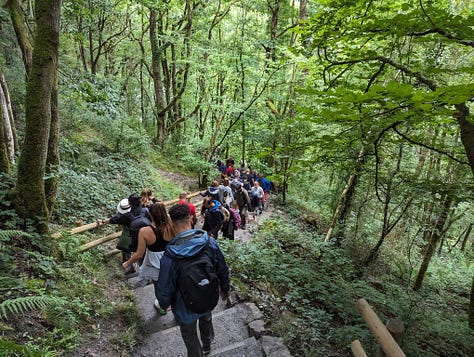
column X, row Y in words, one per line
column 153, row 239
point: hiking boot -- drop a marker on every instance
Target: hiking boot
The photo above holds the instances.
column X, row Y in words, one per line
column 158, row 308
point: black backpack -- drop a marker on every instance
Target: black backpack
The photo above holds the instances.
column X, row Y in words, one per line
column 198, row 282
column 139, row 218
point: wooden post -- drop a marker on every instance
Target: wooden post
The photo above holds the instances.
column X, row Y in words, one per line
column 396, row 329
column 357, row 349
column 383, row 337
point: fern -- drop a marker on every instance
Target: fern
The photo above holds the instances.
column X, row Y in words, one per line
column 6, row 235
column 10, row 348
column 22, row 304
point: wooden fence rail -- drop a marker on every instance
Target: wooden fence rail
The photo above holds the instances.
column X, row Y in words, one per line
column 386, row 341
column 89, row 226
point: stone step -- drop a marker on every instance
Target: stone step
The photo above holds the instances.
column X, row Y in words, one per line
column 152, row 321
column 249, row 347
column 230, row 327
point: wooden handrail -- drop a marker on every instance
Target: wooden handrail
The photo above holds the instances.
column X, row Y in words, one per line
column 382, row 335
column 95, row 224
column 87, row 246
column 357, row 349
column 109, row 237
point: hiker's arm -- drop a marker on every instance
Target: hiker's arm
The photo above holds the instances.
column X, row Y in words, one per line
column 165, row 288
column 122, row 219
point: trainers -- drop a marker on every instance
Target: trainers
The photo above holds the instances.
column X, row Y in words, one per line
column 206, row 347
column 158, row 308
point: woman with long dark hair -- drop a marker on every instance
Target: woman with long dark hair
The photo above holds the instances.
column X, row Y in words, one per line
column 152, row 243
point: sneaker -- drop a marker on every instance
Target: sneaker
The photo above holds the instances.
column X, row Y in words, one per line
column 206, row 347
column 130, row 271
column 158, row 308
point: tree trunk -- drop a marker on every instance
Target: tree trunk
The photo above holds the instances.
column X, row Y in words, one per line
column 303, row 10
column 5, row 166
column 466, row 237
column 10, row 130
column 435, row 237
column 471, row 306
column 467, row 132
column 21, row 32
column 29, row 193
column 7, row 147
column 349, row 187
column 52, row 160
column 157, row 81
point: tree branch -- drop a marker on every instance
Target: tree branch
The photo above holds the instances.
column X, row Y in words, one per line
column 428, row 147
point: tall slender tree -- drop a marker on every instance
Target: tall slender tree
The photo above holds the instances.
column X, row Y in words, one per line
column 29, row 194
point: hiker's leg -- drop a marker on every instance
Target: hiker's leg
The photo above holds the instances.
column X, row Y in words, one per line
column 207, row 330
column 191, row 340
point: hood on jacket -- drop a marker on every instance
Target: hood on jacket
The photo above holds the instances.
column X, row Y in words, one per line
column 217, row 206
column 188, row 243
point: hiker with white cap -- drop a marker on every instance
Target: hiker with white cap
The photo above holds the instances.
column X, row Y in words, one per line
column 132, row 216
column 120, row 217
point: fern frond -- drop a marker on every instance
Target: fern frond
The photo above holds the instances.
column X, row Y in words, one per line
column 11, row 233
column 22, row 304
column 8, row 235
column 10, row 348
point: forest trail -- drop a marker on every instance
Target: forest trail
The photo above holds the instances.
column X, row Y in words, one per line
column 239, row 326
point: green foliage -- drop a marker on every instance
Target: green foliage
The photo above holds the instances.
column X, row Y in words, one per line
column 92, row 192
column 22, row 304
column 300, row 281
column 99, row 94
column 8, row 217
column 61, row 296
column 10, row 348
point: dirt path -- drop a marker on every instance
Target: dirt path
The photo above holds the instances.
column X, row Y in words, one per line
column 187, row 183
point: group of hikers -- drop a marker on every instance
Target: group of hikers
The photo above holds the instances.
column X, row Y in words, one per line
column 241, row 190
column 185, row 264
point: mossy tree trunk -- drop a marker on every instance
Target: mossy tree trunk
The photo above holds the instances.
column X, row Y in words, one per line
column 21, row 32
column 52, row 160
column 8, row 144
column 5, row 166
column 471, row 306
column 29, row 194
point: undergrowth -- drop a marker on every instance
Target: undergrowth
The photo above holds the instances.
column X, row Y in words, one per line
column 50, row 303
column 312, row 286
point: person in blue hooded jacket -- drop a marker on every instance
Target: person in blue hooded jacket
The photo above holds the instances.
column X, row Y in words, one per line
column 213, row 217
column 186, row 244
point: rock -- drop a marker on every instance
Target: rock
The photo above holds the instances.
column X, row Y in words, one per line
column 257, row 328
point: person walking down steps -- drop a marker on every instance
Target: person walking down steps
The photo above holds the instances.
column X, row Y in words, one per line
column 193, row 271
column 152, row 242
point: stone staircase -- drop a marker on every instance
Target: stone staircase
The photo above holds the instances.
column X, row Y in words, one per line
column 239, row 330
